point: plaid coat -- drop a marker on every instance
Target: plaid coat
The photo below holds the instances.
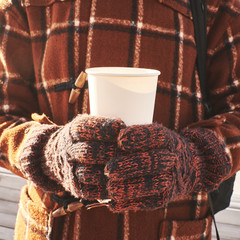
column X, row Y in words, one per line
column 45, row 44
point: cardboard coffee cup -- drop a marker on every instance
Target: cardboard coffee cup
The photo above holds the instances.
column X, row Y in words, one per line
column 123, row 92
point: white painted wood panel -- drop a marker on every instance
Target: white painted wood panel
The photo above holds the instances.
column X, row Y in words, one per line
column 6, row 233
column 8, row 207
column 9, row 180
column 10, row 186
column 12, row 194
column 227, row 232
column 7, row 220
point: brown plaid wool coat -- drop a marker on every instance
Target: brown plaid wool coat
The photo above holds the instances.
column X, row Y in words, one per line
column 45, row 44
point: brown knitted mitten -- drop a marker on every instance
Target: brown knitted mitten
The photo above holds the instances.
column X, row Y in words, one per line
column 158, row 165
column 71, row 157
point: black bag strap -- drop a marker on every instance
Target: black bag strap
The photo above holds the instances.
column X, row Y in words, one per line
column 199, row 13
column 212, row 213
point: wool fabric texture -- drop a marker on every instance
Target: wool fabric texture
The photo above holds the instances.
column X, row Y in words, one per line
column 162, row 165
column 71, row 157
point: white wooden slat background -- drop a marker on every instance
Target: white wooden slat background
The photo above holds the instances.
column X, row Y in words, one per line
column 228, row 221
column 10, row 186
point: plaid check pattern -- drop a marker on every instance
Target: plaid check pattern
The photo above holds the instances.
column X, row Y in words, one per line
column 45, row 44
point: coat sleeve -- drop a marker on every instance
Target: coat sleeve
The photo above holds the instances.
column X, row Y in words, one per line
column 223, row 80
column 17, row 94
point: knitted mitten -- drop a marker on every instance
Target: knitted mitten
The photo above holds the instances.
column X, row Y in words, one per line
column 158, row 165
column 71, row 157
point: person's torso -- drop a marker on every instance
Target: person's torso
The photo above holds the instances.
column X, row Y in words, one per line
column 69, row 36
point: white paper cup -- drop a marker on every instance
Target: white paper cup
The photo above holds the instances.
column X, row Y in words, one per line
column 123, row 92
